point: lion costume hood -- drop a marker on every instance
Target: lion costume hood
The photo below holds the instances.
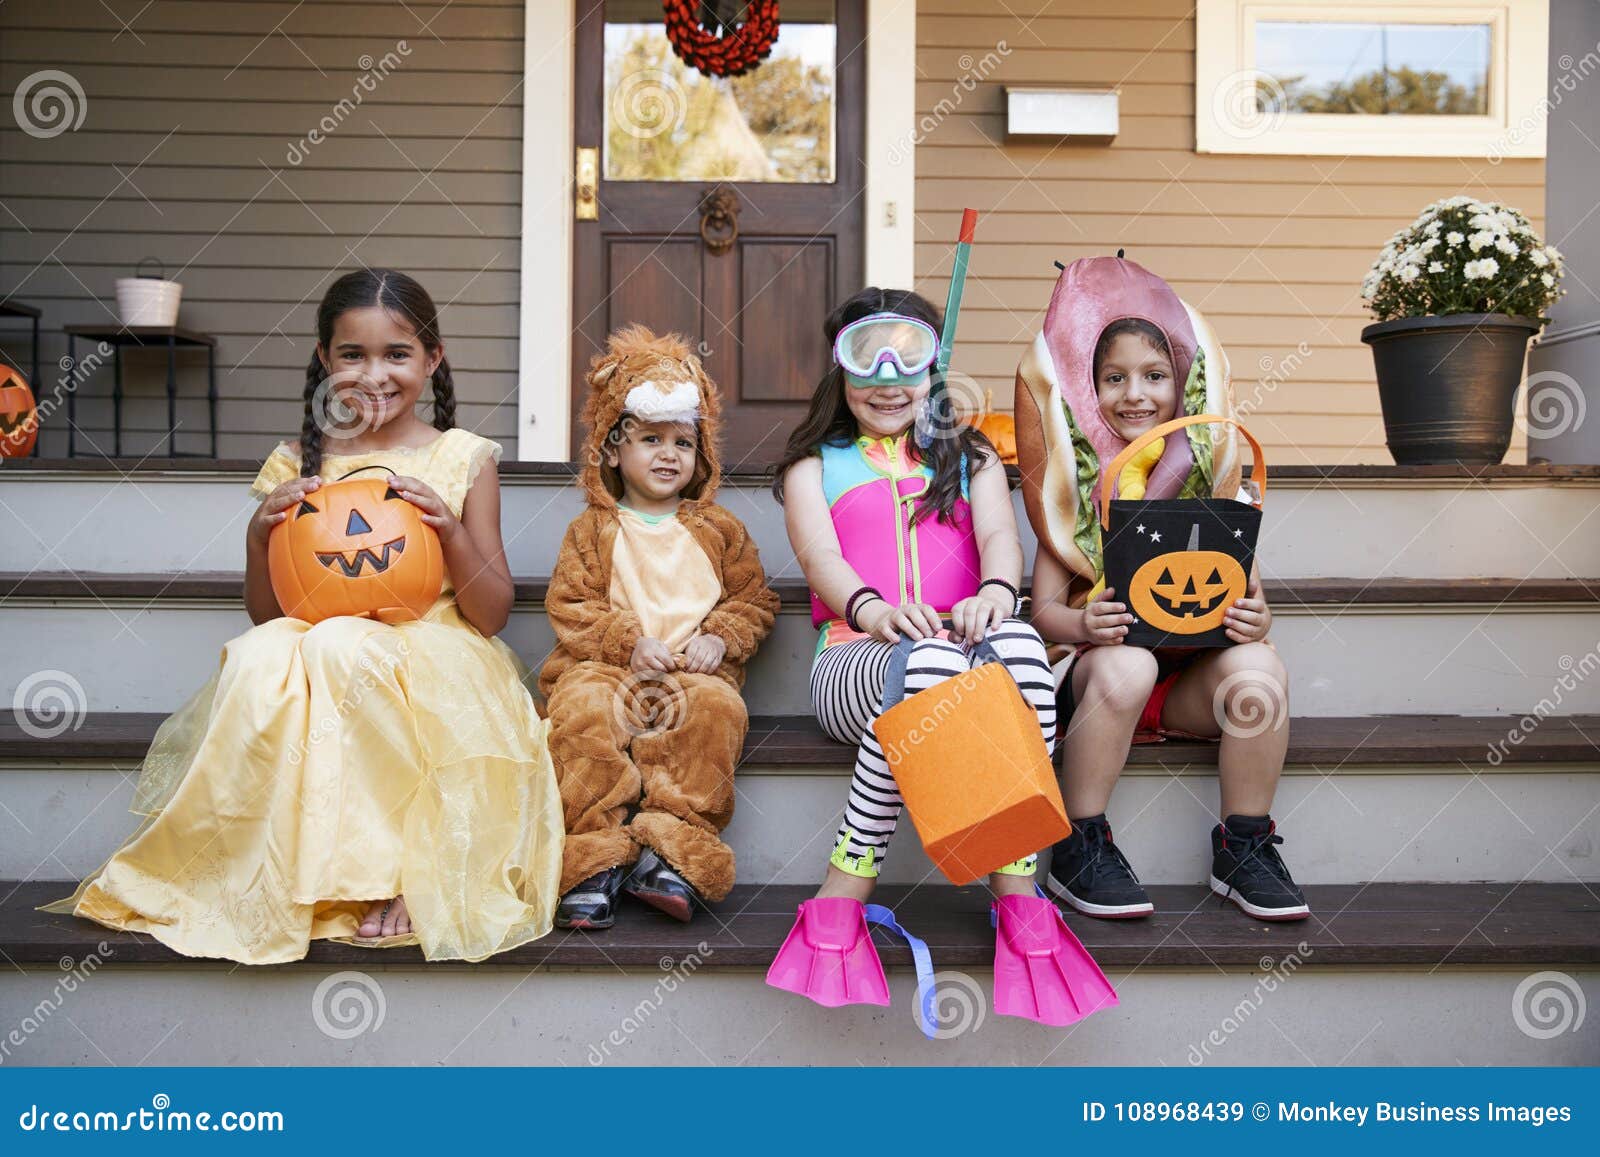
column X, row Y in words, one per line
column 1063, row 443
column 655, row 379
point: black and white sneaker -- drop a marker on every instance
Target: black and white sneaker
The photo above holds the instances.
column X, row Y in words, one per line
column 1246, row 868
column 592, row 903
column 1090, row 872
column 654, row 881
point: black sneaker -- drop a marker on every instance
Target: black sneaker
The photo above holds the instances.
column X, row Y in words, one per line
column 1090, row 872
column 592, row 903
column 653, row 881
column 1246, row 868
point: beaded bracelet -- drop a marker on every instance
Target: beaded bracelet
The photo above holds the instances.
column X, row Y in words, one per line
column 850, row 605
column 1016, row 597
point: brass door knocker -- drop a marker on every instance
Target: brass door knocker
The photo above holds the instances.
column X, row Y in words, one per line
column 719, row 219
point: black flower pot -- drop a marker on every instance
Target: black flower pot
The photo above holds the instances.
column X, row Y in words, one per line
column 1449, row 384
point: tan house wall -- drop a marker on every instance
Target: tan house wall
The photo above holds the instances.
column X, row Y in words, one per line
column 1271, row 249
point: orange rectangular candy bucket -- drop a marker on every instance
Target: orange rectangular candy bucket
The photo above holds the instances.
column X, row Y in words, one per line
column 971, row 766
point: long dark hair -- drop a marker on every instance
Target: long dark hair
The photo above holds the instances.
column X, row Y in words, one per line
column 399, row 294
column 829, row 422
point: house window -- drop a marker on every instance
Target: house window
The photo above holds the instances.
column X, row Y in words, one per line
column 1365, row 78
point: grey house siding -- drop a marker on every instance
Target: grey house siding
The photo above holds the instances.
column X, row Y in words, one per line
column 194, row 149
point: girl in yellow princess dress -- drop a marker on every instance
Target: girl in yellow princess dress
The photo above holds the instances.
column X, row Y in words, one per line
column 380, row 784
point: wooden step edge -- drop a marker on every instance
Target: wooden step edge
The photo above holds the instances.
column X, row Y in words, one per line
column 1284, row 594
column 1328, row 744
column 247, row 468
column 1503, row 925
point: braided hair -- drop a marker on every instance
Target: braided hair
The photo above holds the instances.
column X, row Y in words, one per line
column 401, row 295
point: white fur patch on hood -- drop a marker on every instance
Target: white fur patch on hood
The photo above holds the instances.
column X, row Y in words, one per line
column 649, row 401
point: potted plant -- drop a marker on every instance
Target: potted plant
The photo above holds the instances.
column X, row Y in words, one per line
column 1457, row 294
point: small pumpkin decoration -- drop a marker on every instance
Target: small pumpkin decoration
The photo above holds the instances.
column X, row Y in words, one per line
column 1188, row 591
column 19, row 416
column 355, row 547
column 1000, row 429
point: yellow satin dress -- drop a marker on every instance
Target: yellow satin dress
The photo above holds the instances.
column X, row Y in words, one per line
column 327, row 766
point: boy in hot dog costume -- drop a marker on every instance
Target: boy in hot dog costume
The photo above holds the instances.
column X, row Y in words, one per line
column 658, row 600
column 1120, row 354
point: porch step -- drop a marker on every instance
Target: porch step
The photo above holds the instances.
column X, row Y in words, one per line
column 1445, row 522
column 1353, row 646
column 1387, row 798
column 1378, row 975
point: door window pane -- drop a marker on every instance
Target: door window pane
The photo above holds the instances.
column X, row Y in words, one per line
column 665, row 121
column 1375, row 69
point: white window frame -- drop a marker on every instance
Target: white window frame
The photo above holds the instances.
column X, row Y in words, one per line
column 1225, row 74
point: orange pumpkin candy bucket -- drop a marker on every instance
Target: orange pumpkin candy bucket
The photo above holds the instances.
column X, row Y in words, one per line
column 971, row 766
column 355, row 547
column 19, row 415
column 1179, row 563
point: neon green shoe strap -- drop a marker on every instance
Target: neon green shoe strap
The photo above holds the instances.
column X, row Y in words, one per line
column 1022, row 867
column 865, row 866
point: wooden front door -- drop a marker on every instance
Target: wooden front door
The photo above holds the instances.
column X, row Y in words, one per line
column 729, row 209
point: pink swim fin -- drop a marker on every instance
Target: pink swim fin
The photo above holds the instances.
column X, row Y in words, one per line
column 829, row 956
column 1041, row 971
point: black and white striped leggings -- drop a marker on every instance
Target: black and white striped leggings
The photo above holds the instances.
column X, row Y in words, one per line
column 847, row 694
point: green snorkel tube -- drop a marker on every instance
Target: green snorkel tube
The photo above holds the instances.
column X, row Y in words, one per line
column 941, row 419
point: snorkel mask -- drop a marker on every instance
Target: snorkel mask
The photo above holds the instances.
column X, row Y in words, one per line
column 885, row 350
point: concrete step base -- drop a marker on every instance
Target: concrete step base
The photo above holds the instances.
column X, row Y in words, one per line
column 1342, row 822
column 1352, row 647
column 1385, row 975
column 495, row 1016
column 1370, row 521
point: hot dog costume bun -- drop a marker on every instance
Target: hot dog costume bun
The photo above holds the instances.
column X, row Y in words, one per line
column 1063, row 443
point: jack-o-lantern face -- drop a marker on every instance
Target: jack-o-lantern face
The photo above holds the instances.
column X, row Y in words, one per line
column 355, row 548
column 1187, row 592
column 19, row 417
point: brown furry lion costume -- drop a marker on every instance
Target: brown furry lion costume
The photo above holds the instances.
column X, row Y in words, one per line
column 665, row 744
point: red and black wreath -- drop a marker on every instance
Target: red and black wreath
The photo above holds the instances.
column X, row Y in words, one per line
column 708, row 35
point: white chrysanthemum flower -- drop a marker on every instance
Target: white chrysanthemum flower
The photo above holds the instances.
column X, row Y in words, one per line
column 1538, row 258
column 1436, row 267
column 1507, row 246
column 1549, row 282
column 1480, row 241
column 1453, row 238
column 1408, row 273
column 1481, row 270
